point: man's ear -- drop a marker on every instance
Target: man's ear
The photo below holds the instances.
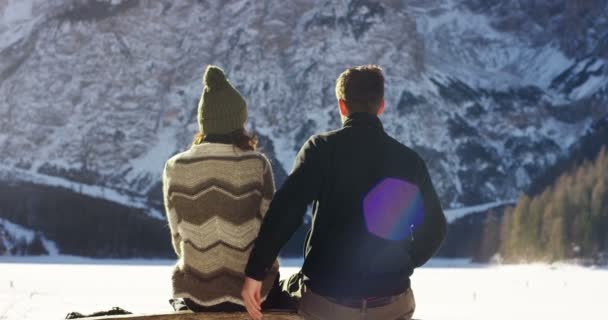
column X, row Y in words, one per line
column 343, row 110
column 381, row 109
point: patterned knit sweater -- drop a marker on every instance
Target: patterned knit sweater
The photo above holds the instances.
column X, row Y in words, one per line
column 215, row 198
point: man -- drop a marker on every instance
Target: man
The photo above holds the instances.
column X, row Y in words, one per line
column 376, row 215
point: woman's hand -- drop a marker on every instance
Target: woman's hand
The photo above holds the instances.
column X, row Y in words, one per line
column 251, row 294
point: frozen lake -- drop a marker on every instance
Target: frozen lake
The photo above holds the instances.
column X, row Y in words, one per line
column 34, row 289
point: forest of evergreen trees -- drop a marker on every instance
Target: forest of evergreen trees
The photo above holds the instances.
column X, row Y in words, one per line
column 81, row 225
column 569, row 220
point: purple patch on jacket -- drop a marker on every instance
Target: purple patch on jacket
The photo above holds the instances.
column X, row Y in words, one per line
column 392, row 209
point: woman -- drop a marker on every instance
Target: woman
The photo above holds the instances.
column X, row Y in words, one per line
column 216, row 194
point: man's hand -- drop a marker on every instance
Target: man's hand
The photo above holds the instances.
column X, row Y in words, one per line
column 251, row 294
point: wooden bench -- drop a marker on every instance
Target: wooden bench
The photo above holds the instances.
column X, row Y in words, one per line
column 202, row 316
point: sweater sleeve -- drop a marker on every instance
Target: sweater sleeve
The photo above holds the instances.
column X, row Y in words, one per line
column 171, row 214
column 429, row 235
column 287, row 210
column 268, row 188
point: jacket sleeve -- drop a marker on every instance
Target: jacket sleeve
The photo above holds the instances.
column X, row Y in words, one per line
column 429, row 235
column 172, row 217
column 287, row 210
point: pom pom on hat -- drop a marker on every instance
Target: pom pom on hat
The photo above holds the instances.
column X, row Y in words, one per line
column 214, row 77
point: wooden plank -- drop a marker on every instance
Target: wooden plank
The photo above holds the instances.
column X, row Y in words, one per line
column 202, row 316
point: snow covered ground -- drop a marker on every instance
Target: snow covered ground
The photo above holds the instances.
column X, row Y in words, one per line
column 48, row 288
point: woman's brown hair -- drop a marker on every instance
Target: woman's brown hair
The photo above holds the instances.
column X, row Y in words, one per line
column 239, row 138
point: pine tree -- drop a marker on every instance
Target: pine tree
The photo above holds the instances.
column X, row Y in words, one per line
column 519, row 231
column 490, row 238
column 568, row 220
column 36, row 246
column 506, row 237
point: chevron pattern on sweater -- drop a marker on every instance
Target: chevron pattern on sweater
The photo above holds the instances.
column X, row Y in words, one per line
column 215, row 197
column 213, row 203
column 220, row 243
column 201, row 193
column 237, row 173
column 214, row 258
column 230, row 187
column 218, row 229
column 211, row 291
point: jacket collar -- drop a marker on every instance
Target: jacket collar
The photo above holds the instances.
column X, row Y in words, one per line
column 363, row 119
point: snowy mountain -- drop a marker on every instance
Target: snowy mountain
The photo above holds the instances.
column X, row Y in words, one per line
column 96, row 95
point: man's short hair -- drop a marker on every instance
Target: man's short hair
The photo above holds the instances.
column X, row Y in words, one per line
column 362, row 88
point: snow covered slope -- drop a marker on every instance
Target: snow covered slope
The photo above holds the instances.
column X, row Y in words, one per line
column 489, row 92
column 17, row 240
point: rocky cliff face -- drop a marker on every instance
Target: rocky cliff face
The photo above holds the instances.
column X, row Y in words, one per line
column 95, row 95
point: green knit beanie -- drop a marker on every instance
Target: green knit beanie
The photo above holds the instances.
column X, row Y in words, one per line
column 221, row 109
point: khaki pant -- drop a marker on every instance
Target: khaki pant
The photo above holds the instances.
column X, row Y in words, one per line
column 316, row 307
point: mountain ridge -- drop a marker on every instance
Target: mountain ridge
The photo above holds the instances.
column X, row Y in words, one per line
column 101, row 93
